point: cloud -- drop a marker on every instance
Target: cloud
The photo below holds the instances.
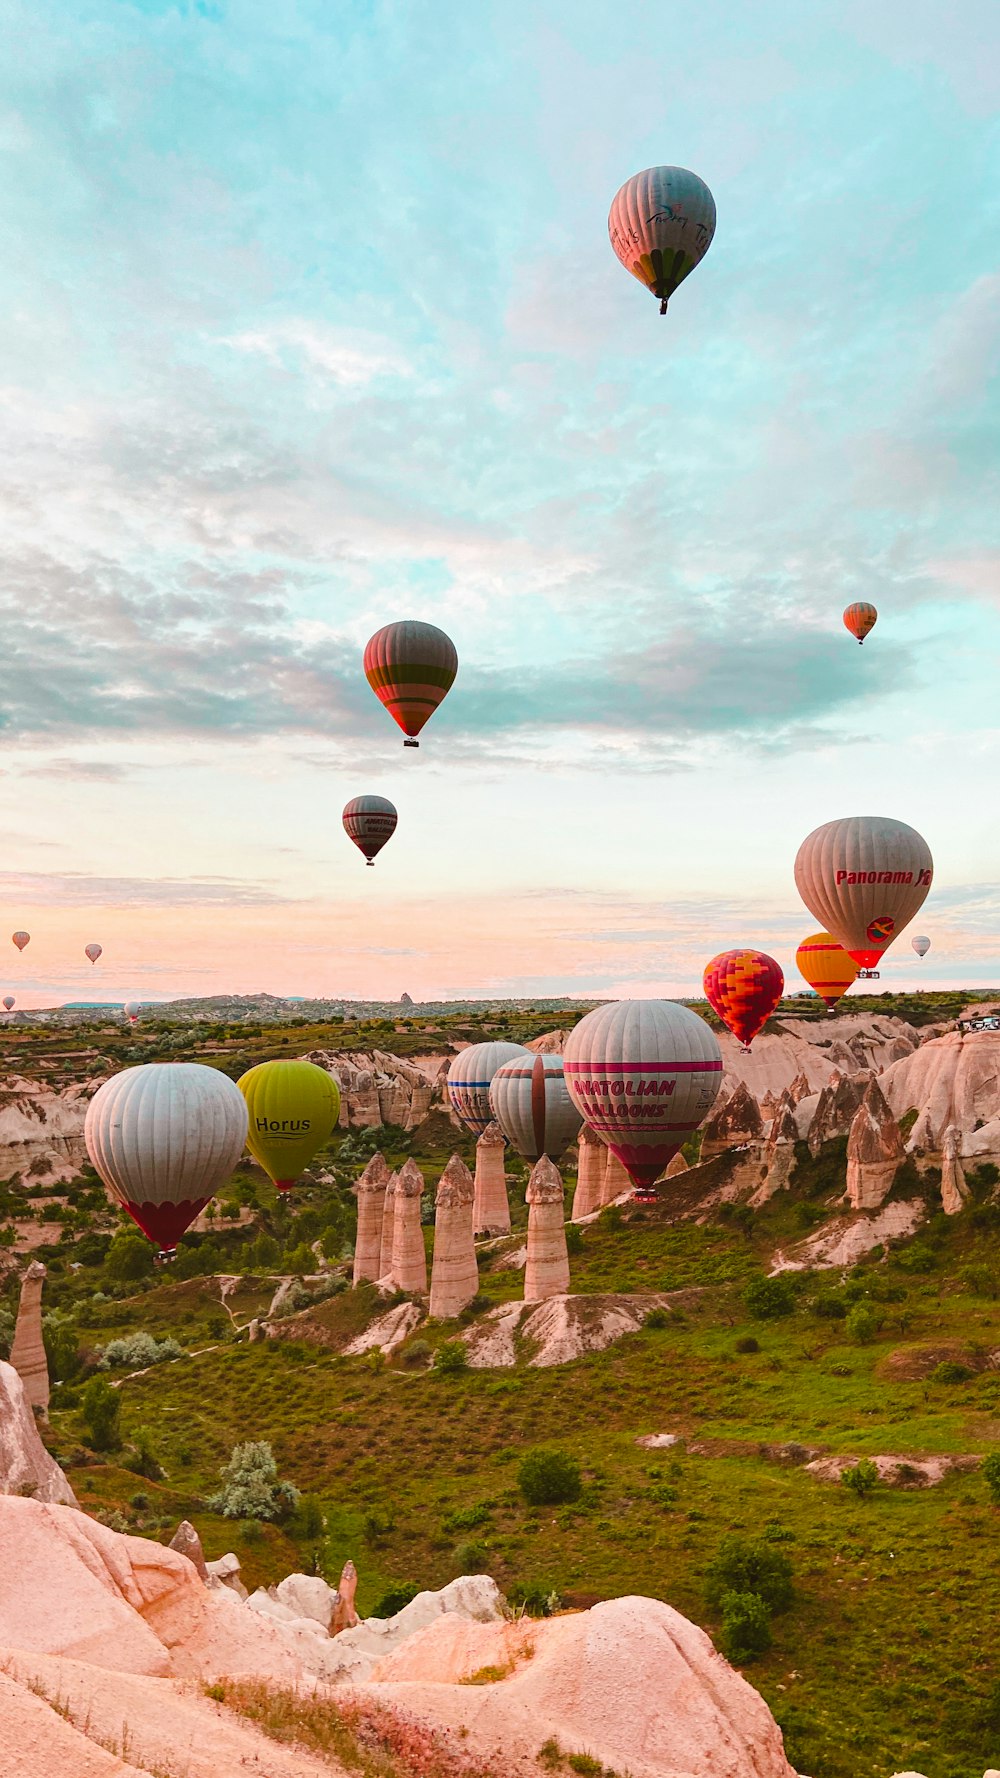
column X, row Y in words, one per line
column 349, row 359
column 72, row 889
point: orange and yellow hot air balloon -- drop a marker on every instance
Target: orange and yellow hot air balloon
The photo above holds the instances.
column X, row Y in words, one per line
column 826, row 966
column 860, row 618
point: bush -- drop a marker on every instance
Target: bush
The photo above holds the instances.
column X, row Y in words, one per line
column 746, row 1626
column 466, row 1518
column 61, row 1348
column 991, row 1475
column 656, row 1319
column 145, row 1461
column 951, row 1371
column 129, row 1258
column 574, row 1238
column 251, row 1489
column 309, row 1520
column 395, row 1599
column 862, row 1324
column 747, row 1343
column 744, row 1565
column 417, row 1355
column 451, row 1357
column 549, row 1478
column 471, row 1558
column 830, row 1305
column 137, row 1351
column 861, row 1478
column 102, row 1408
column 768, row 1298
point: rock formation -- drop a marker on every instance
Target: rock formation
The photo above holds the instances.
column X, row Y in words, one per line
column 388, row 1228
column 954, row 1191
column 733, row 1124
column 405, row 999
column 874, row 1151
column 344, row 1616
column 954, row 1079
column 491, row 1213
column 378, row 1088
column 591, row 1168
column 677, row 1164
column 409, row 1258
column 187, row 1542
column 25, row 1464
column 370, row 1192
column 617, row 1180
column 27, row 1354
column 454, row 1274
column 835, row 1108
column 546, row 1272
column 779, row 1151
column 225, row 1572
column 799, row 1088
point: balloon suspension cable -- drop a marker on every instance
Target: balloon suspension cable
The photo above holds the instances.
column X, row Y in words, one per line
column 409, row 741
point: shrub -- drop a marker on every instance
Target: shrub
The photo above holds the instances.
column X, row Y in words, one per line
column 549, row 1478
column 471, row 1557
column 417, row 1355
column 744, row 1565
column 574, row 1238
column 145, row 1461
column 61, row 1347
column 394, row 1600
column 451, row 1357
column 951, row 1371
column 139, row 1503
column 466, row 1518
column 862, row 1324
column 830, row 1305
column 138, row 1350
column 129, row 1258
column 768, row 1298
column 746, row 1626
column 251, row 1489
column 102, row 1408
column 861, row 1478
column 309, row 1521
column 747, row 1343
column 991, row 1475
column 656, row 1319
column 534, row 1601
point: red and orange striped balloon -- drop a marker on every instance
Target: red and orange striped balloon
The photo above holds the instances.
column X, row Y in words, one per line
column 825, row 965
column 411, row 668
column 744, row 988
column 860, row 618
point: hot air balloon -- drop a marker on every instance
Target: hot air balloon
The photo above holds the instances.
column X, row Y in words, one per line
column 132, row 1009
column 410, row 667
column 292, row 1109
column 860, row 618
column 20, row 939
column 643, row 1074
column 93, row 952
column 825, row 965
column 864, row 877
column 661, row 226
column 8, row 1002
column 533, row 1108
column 921, row 946
column 743, row 988
column 471, row 1076
column 163, row 1138
column 369, row 821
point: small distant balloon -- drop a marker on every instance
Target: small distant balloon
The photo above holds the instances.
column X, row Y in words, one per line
column 661, row 226
column 132, row 1009
column 370, row 821
column 921, row 946
column 93, row 952
column 8, row 1002
column 20, row 939
column 411, row 668
column 860, row 618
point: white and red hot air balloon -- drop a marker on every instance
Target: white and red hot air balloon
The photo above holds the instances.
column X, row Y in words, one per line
column 164, row 1137
column 921, row 945
column 370, row 821
column 93, row 951
column 470, row 1077
column 132, row 1009
column 864, row 878
column 8, row 1003
column 644, row 1074
column 532, row 1105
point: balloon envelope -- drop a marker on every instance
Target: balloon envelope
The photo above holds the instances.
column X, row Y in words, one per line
column 743, row 988
column 411, row 668
column 93, row 952
column 643, row 1074
column 921, row 946
column 860, row 618
column 163, row 1138
column 864, row 878
column 531, row 1103
column 825, row 965
column 369, row 821
column 20, row 939
column 292, row 1110
column 661, row 226
column 470, row 1077
column 8, row 1001
column 132, row 1008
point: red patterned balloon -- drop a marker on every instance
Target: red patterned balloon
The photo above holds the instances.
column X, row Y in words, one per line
column 410, row 667
column 744, row 988
column 860, row 618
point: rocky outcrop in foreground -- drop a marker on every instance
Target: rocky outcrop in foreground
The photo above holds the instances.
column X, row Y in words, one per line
column 25, row 1465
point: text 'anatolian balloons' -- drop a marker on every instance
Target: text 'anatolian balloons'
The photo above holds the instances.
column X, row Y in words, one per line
column 369, row 821
column 864, row 878
column 644, row 1075
column 743, row 988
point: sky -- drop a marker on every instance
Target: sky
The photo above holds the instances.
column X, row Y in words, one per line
column 311, row 322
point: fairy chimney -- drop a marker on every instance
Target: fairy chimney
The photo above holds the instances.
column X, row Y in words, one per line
column 954, row 1191
column 779, row 1151
column 874, row 1150
column 388, row 1227
column 799, row 1089
column 491, row 1211
column 733, row 1124
column 836, row 1107
column 370, row 1192
column 591, row 1168
column 676, row 1164
column 547, row 1270
column 454, row 1275
column 27, row 1354
column 409, row 1259
column 617, row 1180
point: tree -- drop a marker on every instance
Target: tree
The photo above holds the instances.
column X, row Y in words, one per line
column 768, row 1298
column 746, row 1565
column 746, row 1626
column 862, row 1324
column 451, row 1356
column 102, row 1408
column 549, row 1478
column 861, row 1478
column 129, row 1258
column 251, row 1489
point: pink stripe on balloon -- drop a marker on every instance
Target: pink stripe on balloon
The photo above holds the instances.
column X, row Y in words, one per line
column 643, row 1067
